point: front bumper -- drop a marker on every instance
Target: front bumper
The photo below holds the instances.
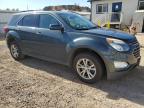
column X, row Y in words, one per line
column 132, row 58
column 117, row 74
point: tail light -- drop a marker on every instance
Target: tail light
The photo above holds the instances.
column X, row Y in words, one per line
column 5, row 29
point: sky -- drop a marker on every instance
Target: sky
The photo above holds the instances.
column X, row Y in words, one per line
column 38, row 4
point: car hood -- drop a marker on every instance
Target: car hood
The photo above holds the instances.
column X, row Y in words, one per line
column 111, row 33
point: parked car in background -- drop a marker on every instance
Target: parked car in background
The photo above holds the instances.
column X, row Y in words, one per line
column 70, row 39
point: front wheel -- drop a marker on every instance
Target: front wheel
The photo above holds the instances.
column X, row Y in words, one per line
column 15, row 51
column 88, row 67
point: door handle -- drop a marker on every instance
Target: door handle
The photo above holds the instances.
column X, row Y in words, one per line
column 38, row 32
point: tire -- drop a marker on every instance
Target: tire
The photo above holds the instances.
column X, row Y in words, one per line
column 14, row 48
column 94, row 66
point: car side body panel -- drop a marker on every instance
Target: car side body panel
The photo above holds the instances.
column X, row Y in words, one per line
column 61, row 46
column 82, row 41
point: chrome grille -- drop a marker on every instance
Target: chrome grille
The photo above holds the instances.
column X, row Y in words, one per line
column 136, row 50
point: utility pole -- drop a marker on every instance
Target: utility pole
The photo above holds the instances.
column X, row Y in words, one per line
column 27, row 7
column 91, row 11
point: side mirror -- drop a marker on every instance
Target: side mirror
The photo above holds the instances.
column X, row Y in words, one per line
column 56, row 27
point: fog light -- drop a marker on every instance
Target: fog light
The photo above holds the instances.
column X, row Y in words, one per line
column 120, row 65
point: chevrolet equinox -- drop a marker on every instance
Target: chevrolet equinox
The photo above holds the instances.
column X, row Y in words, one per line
column 70, row 39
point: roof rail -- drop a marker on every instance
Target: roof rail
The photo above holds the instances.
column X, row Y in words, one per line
column 29, row 10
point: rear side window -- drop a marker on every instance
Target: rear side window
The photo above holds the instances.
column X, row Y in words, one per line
column 46, row 21
column 29, row 21
column 13, row 21
column 20, row 22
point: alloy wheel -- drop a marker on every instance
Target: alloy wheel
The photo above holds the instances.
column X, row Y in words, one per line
column 14, row 51
column 86, row 68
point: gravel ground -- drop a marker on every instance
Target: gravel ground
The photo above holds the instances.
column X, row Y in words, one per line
column 33, row 83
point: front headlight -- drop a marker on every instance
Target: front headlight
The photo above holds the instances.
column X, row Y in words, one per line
column 117, row 44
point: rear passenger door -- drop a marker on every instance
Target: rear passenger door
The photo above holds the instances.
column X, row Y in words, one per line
column 27, row 32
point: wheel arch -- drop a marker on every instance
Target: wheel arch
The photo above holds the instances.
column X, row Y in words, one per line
column 88, row 50
column 12, row 36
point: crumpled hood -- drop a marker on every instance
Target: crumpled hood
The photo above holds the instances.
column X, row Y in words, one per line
column 111, row 33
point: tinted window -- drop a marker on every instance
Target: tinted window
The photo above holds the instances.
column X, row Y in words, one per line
column 14, row 20
column 20, row 23
column 141, row 5
column 46, row 20
column 29, row 21
column 77, row 21
column 100, row 8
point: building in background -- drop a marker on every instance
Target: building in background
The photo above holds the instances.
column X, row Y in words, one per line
column 5, row 15
column 119, row 13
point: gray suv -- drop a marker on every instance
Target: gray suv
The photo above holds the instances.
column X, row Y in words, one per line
column 69, row 39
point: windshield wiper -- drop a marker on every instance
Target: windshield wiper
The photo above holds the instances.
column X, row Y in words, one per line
column 94, row 27
column 82, row 29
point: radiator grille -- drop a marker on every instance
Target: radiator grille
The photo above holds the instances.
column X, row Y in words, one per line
column 136, row 50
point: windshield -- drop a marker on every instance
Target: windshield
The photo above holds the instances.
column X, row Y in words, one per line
column 76, row 21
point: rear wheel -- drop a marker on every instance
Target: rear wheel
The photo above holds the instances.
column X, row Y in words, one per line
column 16, row 51
column 88, row 67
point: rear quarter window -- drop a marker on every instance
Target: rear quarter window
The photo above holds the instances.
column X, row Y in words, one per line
column 13, row 21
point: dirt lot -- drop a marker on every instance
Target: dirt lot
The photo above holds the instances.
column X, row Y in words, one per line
column 33, row 83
